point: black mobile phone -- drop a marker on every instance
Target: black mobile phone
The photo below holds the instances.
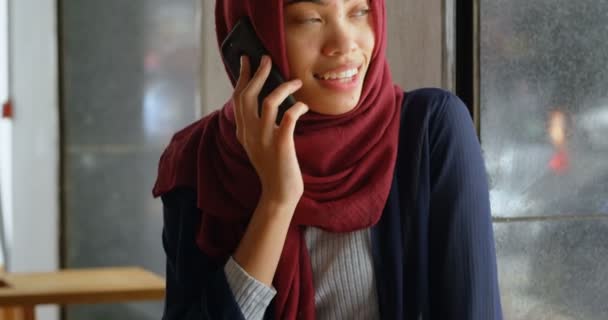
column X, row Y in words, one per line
column 242, row 40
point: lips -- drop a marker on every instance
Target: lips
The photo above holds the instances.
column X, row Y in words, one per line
column 339, row 76
column 346, row 71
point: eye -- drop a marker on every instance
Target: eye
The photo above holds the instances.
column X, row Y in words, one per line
column 362, row 12
column 310, row 20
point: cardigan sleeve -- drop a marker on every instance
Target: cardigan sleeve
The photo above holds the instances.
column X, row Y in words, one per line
column 462, row 274
column 196, row 286
column 252, row 296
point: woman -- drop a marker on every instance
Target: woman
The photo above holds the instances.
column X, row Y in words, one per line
column 364, row 203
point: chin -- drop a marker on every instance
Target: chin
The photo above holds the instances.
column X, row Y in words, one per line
column 333, row 108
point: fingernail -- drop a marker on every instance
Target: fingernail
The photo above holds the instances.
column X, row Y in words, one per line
column 242, row 61
column 265, row 59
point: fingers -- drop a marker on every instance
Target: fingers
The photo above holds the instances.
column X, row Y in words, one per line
column 236, row 97
column 251, row 92
column 288, row 124
column 271, row 103
column 246, row 95
column 244, row 75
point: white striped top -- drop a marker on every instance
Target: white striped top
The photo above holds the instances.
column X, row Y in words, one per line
column 343, row 278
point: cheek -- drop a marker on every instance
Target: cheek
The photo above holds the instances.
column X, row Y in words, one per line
column 367, row 36
column 368, row 42
column 299, row 54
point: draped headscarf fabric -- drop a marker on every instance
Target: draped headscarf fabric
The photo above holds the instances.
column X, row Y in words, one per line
column 347, row 161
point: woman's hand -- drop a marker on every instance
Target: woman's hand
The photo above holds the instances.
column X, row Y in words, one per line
column 270, row 148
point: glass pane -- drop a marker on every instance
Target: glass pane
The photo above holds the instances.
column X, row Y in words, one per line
column 553, row 270
column 544, row 105
column 130, row 71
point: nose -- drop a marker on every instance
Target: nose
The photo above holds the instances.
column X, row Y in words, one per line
column 340, row 40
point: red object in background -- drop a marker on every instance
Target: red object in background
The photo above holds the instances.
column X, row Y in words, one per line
column 559, row 162
column 7, row 109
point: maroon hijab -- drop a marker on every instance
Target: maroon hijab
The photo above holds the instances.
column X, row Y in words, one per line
column 347, row 161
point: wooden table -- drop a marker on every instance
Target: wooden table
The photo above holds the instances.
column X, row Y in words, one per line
column 23, row 291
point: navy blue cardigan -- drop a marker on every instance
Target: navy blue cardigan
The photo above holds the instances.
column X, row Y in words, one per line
column 433, row 248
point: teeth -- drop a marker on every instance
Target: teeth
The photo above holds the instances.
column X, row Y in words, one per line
column 342, row 75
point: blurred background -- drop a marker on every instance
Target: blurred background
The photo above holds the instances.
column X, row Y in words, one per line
column 92, row 92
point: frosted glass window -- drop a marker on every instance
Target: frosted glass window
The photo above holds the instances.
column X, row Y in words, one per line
column 130, row 73
column 544, row 106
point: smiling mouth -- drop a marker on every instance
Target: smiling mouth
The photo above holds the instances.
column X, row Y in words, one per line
column 344, row 76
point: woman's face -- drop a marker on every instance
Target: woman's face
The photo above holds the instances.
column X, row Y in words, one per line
column 329, row 47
